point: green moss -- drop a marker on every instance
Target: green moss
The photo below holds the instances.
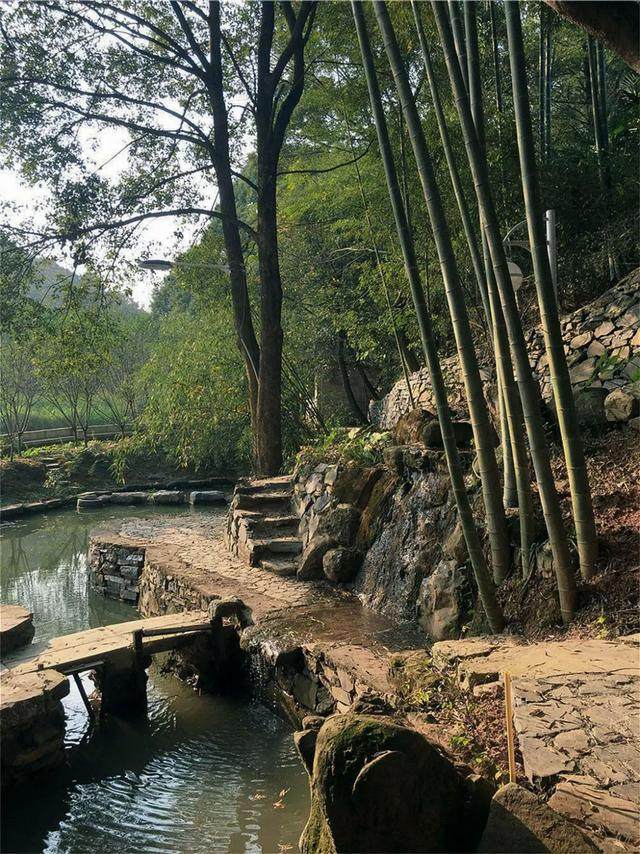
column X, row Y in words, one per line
column 316, row 837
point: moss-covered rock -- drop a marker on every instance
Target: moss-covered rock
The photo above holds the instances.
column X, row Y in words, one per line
column 378, row 786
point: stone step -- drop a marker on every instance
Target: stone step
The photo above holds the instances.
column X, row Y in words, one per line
column 280, row 566
column 267, row 502
column 266, row 485
column 281, row 521
column 260, row 549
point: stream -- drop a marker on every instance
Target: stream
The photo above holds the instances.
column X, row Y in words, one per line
column 197, row 774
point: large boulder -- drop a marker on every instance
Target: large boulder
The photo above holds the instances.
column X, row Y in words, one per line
column 310, row 566
column 422, row 426
column 341, row 565
column 620, row 405
column 520, row 821
column 377, row 786
column 339, row 522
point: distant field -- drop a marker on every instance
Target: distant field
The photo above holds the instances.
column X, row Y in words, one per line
column 44, row 416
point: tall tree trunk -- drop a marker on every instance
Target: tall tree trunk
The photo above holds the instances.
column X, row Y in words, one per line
column 374, row 393
column 245, row 333
column 482, row 430
column 529, row 392
column 474, row 546
column 601, row 134
column 516, row 466
column 561, row 381
column 269, row 420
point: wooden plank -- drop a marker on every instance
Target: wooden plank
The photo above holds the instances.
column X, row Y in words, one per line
column 83, row 648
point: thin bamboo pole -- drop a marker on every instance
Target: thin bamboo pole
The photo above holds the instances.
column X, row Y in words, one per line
column 458, row 35
column 562, row 391
column 601, row 136
column 513, row 436
column 483, row 432
column 463, row 207
column 497, row 77
column 542, row 85
column 485, row 584
column 502, row 351
column 529, row 392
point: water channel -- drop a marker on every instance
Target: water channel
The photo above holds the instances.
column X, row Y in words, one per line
column 199, row 773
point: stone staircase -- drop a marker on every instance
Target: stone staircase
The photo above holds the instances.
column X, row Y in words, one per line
column 262, row 527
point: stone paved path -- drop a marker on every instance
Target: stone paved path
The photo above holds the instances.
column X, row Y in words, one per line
column 187, row 557
column 577, row 718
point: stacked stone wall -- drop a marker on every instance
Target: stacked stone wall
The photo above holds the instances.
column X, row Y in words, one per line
column 115, row 570
column 602, row 345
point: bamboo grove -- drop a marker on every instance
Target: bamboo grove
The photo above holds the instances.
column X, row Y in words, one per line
column 519, row 400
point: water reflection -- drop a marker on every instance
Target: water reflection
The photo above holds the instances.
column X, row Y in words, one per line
column 197, row 774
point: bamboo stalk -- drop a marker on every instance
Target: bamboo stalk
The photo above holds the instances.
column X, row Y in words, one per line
column 482, row 430
column 381, row 273
column 554, row 344
column 512, row 431
column 529, row 392
column 601, row 136
column 463, row 207
column 485, row 584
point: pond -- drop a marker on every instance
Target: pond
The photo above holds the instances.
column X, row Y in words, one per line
column 198, row 773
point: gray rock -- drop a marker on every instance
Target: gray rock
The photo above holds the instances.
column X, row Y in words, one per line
column 339, row 522
column 310, row 566
column 432, row 437
column 620, row 405
column 89, row 503
column 129, row 498
column 207, row 496
column 583, row 371
column 377, row 786
column 455, row 547
column 590, row 406
column 230, row 607
column 519, row 821
column 331, row 475
column 580, row 341
column 341, row 565
column 439, row 609
column 167, row 496
column 305, row 742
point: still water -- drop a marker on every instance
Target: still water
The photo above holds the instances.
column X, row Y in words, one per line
column 198, row 774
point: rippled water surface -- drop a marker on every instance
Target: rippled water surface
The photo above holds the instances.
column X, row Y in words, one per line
column 199, row 773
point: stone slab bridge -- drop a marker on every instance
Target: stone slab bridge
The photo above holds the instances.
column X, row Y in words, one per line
column 31, row 715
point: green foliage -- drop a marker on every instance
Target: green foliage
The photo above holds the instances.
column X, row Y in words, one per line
column 363, row 446
column 196, row 408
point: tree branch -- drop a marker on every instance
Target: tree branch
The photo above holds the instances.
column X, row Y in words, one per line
column 329, row 168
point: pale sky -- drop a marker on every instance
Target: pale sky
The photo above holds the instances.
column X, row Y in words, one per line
column 156, row 238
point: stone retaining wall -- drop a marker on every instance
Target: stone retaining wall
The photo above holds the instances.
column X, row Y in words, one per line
column 602, row 344
column 33, row 725
column 115, row 570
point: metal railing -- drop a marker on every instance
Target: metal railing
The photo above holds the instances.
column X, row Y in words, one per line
column 56, row 435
